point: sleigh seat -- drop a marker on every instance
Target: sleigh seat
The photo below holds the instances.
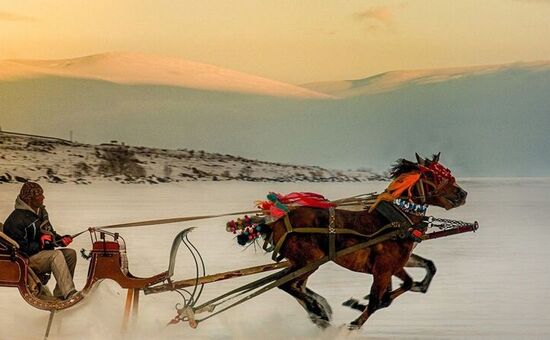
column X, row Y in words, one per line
column 35, row 282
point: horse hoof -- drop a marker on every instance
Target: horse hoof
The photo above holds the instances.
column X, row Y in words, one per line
column 350, row 302
column 419, row 288
column 353, row 327
column 321, row 323
column 343, row 327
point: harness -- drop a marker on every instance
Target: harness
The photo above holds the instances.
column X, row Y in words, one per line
column 399, row 224
column 398, row 220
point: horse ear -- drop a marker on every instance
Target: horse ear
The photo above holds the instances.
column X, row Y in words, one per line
column 419, row 159
column 436, row 157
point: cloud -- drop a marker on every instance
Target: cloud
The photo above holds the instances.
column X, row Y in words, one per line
column 376, row 18
column 6, row 16
column 380, row 14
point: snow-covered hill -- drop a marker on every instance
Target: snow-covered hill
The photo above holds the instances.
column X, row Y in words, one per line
column 390, row 81
column 132, row 68
column 53, row 160
column 479, row 118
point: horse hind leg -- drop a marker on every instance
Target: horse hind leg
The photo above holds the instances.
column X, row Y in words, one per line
column 416, row 261
column 317, row 306
column 321, row 300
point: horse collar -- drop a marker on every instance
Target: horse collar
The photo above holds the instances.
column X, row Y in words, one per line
column 393, row 214
column 410, row 207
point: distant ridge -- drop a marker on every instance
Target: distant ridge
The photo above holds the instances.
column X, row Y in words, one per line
column 27, row 157
column 133, row 68
column 486, row 120
column 389, row 81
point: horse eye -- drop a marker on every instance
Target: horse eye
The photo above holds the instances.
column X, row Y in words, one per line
column 429, row 175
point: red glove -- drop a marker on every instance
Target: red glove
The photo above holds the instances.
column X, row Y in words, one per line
column 46, row 241
column 66, row 240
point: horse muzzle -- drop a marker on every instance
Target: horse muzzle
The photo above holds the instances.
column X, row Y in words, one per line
column 459, row 199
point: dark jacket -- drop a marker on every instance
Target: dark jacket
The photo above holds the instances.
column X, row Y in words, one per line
column 25, row 227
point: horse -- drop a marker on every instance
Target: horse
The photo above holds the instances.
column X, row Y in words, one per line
column 425, row 182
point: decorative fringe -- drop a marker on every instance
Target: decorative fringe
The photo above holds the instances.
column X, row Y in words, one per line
column 278, row 205
column 411, row 207
column 248, row 229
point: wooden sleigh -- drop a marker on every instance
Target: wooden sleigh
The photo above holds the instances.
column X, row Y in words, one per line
column 108, row 260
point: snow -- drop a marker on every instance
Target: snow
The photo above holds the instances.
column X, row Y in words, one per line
column 49, row 159
column 135, row 68
column 389, row 81
column 491, row 284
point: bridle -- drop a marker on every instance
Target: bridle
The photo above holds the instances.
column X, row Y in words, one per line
column 442, row 177
column 405, row 183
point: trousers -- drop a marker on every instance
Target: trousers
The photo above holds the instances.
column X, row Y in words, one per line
column 61, row 263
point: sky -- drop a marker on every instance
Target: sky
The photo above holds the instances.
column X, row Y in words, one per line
column 296, row 41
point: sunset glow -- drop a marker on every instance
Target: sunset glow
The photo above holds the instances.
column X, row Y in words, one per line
column 292, row 41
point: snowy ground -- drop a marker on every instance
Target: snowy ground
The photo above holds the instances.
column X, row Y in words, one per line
column 491, row 284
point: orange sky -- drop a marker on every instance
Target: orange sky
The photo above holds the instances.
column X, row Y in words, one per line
column 296, row 41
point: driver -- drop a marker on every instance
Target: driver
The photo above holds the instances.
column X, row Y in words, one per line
column 29, row 226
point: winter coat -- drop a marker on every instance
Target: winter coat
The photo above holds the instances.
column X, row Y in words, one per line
column 25, row 226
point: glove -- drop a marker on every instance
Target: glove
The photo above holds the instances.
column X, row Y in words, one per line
column 66, row 240
column 46, row 242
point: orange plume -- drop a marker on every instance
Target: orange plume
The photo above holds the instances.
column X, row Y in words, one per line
column 397, row 187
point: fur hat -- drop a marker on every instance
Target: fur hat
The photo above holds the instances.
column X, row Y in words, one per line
column 30, row 190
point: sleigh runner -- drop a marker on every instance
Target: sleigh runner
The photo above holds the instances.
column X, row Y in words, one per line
column 305, row 229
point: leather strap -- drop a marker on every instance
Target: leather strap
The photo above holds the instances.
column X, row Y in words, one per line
column 398, row 218
column 392, row 213
column 284, row 276
column 331, row 234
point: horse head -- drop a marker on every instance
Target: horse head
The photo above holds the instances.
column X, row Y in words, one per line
column 426, row 181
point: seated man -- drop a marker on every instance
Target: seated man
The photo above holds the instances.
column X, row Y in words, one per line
column 29, row 226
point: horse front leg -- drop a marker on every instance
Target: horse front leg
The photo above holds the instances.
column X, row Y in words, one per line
column 355, row 304
column 416, row 261
column 405, row 287
column 388, row 296
column 378, row 288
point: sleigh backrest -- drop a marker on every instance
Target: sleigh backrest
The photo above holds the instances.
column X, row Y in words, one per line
column 6, row 238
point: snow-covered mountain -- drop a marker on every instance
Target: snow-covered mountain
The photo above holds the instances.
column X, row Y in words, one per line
column 486, row 120
column 136, row 69
column 390, row 81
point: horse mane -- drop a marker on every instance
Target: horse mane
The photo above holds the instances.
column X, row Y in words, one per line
column 402, row 166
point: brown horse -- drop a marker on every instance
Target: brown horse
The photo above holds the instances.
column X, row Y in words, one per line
column 430, row 183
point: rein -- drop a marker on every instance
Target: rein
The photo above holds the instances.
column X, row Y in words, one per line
column 352, row 200
column 163, row 221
